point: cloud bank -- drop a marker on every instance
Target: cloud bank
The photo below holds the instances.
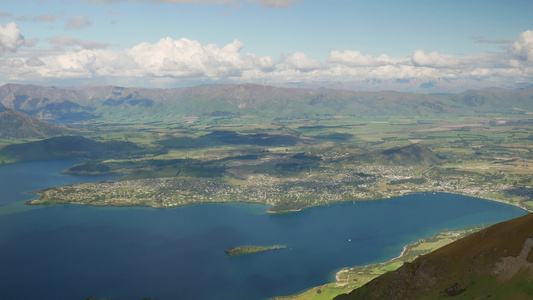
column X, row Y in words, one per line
column 170, row 62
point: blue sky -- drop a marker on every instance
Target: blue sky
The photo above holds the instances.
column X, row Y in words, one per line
column 420, row 46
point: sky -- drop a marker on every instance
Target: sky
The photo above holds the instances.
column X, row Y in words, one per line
column 422, row 46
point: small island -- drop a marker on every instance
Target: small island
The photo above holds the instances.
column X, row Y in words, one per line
column 244, row 250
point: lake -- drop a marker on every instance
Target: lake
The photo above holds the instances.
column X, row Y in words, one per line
column 73, row 252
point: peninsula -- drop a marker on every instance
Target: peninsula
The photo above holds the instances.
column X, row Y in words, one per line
column 367, row 146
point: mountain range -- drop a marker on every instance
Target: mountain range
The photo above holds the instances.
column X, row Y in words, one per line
column 112, row 102
column 495, row 263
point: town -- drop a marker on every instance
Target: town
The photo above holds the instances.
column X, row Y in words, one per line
column 284, row 194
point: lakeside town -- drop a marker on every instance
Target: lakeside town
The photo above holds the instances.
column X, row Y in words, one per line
column 322, row 187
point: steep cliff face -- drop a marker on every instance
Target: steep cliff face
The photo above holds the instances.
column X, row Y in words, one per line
column 496, row 262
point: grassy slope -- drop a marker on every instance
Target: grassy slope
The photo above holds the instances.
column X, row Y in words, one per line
column 14, row 124
column 351, row 278
column 463, row 269
column 68, row 147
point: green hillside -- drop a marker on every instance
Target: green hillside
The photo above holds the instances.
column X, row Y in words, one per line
column 411, row 155
column 14, row 124
column 69, row 147
column 119, row 103
column 496, row 262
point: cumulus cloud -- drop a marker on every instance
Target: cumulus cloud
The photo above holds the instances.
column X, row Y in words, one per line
column 188, row 58
column 79, row 21
column 176, row 61
column 171, row 58
column 353, row 58
column 434, row 59
column 68, row 41
column 263, row 3
column 10, row 38
column 523, row 47
column 301, row 61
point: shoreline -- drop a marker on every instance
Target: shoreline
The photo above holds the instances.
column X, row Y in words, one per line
column 501, row 201
column 513, row 203
column 347, row 269
column 405, row 247
column 338, row 274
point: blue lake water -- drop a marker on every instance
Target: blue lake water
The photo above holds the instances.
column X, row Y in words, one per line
column 73, row 252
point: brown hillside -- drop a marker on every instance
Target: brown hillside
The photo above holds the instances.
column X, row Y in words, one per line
column 14, row 124
column 494, row 263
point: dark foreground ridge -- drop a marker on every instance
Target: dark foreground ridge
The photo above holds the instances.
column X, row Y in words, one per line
column 496, row 262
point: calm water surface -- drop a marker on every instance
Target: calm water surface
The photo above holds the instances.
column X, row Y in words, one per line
column 72, row 252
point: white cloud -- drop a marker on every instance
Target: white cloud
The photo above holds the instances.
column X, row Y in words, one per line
column 186, row 58
column 300, row 61
column 176, row 61
column 434, row 59
column 353, row 58
column 523, row 47
column 79, row 21
column 10, row 38
column 181, row 58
